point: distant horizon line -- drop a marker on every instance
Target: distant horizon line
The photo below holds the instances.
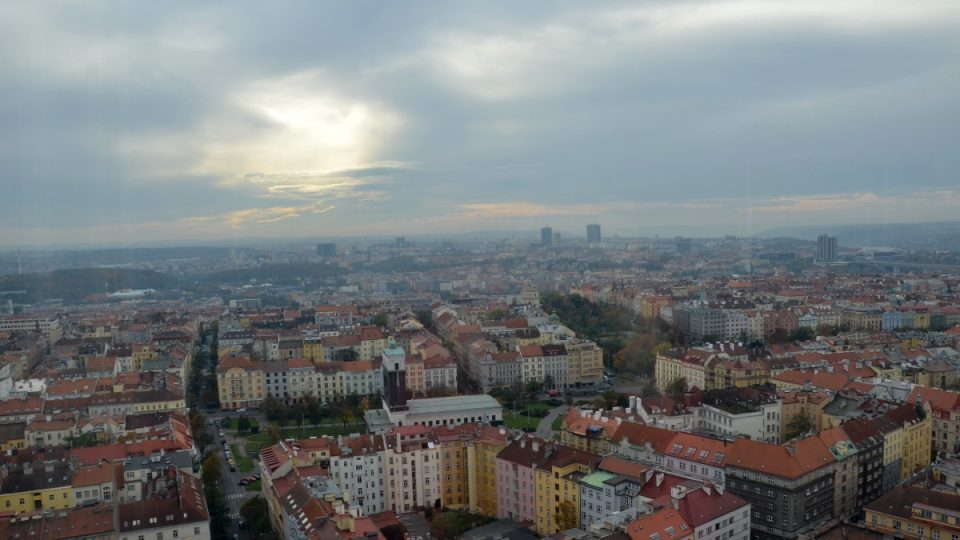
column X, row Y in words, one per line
column 618, row 234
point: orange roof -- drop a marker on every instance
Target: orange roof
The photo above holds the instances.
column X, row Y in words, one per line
column 295, row 363
column 236, row 361
column 531, row 350
column 701, row 449
column 359, row 366
column 832, row 436
column 665, row 523
column 639, row 434
column 98, row 474
column 579, row 425
column 943, row 400
column 807, row 455
column 626, row 467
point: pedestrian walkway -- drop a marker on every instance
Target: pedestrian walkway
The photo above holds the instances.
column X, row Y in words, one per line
column 545, row 427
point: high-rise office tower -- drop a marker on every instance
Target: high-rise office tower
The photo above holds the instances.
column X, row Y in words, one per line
column 826, row 248
column 546, row 236
column 556, row 238
column 593, row 233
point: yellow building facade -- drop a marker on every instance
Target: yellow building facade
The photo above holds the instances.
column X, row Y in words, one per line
column 313, row 349
column 558, row 481
column 35, row 495
column 916, row 444
column 482, row 459
column 454, row 472
column 240, row 383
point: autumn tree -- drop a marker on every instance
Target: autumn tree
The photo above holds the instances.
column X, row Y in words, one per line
column 274, row 434
column 566, row 516
column 639, row 354
column 211, row 468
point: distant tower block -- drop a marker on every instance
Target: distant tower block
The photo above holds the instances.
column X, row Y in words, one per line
column 546, row 236
column 826, row 248
column 593, row 233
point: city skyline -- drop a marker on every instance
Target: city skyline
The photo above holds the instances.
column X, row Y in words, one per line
column 164, row 124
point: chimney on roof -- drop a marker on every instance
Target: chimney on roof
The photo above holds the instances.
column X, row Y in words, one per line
column 536, row 445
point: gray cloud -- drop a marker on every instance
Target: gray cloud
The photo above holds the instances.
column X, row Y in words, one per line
column 370, row 117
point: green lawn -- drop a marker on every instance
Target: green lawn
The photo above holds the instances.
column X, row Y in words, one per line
column 231, row 423
column 253, row 486
column 244, row 463
column 520, row 421
column 557, row 424
column 538, row 406
column 256, row 445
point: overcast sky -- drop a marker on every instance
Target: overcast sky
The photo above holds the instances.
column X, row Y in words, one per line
column 136, row 121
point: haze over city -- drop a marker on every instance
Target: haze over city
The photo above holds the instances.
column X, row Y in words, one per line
column 178, row 121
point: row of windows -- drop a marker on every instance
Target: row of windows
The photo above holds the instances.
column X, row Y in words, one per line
column 174, row 534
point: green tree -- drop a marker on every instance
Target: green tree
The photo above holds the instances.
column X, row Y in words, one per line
column 311, row 407
column 274, row 409
column 566, row 516
column 257, row 516
column 394, row 532
column 243, row 424
column 548, row 382
column 677, row 387
column 649, row 389
column 217, row 508
column 381, row 320
column 826, row 330
column 798, row 424
column 347, row 417
column 425, row 317
column 532, row 388
column 441, row 391
column 346, row 355
column 802, row 333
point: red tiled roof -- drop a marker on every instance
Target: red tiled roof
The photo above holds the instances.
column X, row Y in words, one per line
column 808, row 455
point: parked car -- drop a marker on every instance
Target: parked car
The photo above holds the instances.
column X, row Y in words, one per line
column 243, row 482
column 233, row 468
column 241, row 410
column 256, row 476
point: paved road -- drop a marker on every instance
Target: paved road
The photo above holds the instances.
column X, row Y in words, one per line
column 544, row 428
column 234, row 494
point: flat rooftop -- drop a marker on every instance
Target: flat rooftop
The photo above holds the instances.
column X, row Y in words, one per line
column 451, row 404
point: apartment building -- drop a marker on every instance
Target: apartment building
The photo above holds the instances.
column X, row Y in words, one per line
column 517, row 480
column 915, row 513
column 558, row 478
column 240, row 382
column 790, row 488
column 414, row 467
